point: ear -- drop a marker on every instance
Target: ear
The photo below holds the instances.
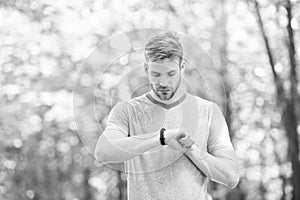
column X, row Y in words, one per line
column 146, row 67
column 182, row 65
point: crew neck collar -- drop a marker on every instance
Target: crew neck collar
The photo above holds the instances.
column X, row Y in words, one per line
column 167, row 106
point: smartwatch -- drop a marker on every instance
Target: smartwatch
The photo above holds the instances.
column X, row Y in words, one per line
column 162, row 137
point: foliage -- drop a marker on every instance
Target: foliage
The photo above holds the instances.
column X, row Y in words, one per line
column 43, row 46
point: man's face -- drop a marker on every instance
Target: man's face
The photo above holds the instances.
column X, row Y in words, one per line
column 164, row 77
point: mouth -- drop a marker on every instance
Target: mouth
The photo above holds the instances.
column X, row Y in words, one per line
column 164, row 91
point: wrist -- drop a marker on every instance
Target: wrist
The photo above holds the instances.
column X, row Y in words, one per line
column 195, row 150
column 191, row 149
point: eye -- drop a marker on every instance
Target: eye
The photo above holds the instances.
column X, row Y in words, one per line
column 172, row 73
column 155, row 74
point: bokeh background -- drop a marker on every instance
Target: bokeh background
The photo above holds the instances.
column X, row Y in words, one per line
column 254, row 46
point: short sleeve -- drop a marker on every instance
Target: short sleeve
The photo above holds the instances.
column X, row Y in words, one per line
column 118, row 118
column 218, row 131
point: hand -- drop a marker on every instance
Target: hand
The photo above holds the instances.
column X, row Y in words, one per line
column 172, row 137
column 186, row 142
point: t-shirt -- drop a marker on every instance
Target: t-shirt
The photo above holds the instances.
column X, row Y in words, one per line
column 163, row 173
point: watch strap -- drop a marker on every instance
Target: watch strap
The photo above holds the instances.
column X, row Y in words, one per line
column 162, row 137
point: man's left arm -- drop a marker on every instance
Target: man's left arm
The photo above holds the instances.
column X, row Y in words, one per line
column 220, row 162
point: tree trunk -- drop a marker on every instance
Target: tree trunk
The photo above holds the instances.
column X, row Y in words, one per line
column 287, row 103
column 290, row 114
column 290, row 124
column 122, row 186
column 87, row 193
column 291, row 48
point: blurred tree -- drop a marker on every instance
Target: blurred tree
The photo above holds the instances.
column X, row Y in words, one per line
column 288, row 100
column 43, row 45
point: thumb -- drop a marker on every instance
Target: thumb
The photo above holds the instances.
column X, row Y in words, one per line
column 181, row 133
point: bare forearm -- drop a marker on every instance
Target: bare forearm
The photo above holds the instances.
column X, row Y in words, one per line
column 221, row 170
column 109, row 150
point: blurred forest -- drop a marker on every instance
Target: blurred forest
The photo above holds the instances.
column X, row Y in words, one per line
column 254, row 45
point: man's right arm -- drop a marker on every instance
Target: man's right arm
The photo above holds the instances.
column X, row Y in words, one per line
column 113, row 147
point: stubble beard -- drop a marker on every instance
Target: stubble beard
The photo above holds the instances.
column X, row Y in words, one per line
column 163, row 92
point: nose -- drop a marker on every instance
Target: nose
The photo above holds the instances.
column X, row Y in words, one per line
column 163, row 82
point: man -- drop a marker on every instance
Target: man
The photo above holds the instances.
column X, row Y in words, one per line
column 172, row 142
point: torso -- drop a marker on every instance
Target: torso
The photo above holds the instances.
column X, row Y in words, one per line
column 164, row 173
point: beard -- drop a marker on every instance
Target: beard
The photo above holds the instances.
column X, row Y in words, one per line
column 164, row 93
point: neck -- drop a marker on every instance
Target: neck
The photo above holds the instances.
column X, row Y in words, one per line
column 178, row 94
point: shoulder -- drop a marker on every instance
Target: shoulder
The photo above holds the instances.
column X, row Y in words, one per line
column 121, row 105
column 209, row 107
column 119, row 108
column 138, row 98
column 126, row 106
column 202, row 102
column 138, row 101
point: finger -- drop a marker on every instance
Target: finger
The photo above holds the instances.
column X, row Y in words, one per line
column 183, row 146
column 182, row 133
column 189, row 144
column 186, row 142
column 186, row 137
column 183, row 141
column 192, row 142
column 182, row 149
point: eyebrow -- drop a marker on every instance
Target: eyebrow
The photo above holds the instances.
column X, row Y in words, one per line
column 169, row 72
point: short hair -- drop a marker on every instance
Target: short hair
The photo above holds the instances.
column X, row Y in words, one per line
column 165, row 46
